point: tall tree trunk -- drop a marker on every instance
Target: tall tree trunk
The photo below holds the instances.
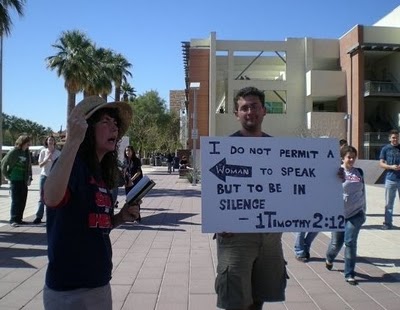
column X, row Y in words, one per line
column 117, row 92
column 71, row 102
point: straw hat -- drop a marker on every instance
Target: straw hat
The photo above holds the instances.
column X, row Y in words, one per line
column 90, row 105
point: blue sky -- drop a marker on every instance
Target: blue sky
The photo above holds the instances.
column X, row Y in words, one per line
column 149, row 34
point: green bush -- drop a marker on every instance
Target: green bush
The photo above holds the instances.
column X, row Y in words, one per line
column 194, row 173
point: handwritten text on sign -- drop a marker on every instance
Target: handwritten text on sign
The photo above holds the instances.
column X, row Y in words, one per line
column 270, row 184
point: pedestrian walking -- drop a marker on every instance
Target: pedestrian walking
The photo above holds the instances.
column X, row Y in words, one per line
column 389, row 159
column 17, row 168
column 302, row 245
column 354, row 214
column 170, row 160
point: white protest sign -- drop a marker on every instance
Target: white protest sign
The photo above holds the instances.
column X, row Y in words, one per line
column 270, row 184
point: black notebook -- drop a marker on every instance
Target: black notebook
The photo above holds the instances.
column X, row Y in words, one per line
column 140, row 190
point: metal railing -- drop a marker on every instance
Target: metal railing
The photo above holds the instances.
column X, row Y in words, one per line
column 381, row 88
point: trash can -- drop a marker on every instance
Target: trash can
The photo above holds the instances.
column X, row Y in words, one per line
column 176, row 163
column 158, row 161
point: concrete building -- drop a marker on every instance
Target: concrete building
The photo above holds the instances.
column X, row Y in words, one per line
column 177, row 104
column 176, row 100
column 344, row 88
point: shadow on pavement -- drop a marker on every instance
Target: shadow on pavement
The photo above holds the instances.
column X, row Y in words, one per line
column 148, row 228
column 154, row 209
column 378, row 227
column 380, row 262
column 385, row 278
column 17, row 237
column 16, row 258
column 162, row 219
column 12, row 257
column 156, row 192
column 173, row 192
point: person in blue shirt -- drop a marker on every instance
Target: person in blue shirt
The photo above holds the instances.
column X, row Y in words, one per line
column 389, row 159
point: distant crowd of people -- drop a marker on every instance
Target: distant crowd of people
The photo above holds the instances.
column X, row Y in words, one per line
column 79, row 189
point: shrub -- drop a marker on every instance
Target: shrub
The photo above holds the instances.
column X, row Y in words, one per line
column 193, row 172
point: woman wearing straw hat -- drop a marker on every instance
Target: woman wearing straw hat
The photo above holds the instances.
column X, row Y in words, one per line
column 80, row 211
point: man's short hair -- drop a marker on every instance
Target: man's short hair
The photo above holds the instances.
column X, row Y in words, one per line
column 249, row 91
column 393, row 132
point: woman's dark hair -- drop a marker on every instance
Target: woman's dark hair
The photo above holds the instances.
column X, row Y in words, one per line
column 347, row 149
column 108, row 167
column 133, row 152
column 45, row 143
column 343, row 142
column 22, row 139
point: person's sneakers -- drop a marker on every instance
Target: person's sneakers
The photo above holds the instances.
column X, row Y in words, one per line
column 37, row 221
column 328, row 265
column 14, row 224
column 302, row 258
column 307, row 255
column 351, row 281
column 386, row 227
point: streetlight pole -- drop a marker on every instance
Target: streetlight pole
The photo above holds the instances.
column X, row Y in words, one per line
column 347, row 117
column 195, row 86
column 183, row 134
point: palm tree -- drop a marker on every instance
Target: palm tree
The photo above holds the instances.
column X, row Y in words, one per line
column 99, row 81
column 120, row 73
column 16, row 127
column 73, row 62
column 5, row 29
column 5, row 19
column 127, row 91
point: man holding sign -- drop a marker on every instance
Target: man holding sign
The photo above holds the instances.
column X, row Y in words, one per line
column 251, row 267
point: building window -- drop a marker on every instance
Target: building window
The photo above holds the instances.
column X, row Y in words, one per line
column 259, row 65
column 325, row 106
column 275, row 101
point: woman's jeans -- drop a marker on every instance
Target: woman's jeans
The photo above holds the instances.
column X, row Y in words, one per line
column 391, row 188
column 19, row 193
column 303, row 243
column 349, row 238
column 40, row 210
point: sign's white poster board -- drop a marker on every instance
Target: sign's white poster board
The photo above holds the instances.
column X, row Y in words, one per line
column 270, row 184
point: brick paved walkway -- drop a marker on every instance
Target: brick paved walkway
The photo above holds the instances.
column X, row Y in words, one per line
column 167, row 263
